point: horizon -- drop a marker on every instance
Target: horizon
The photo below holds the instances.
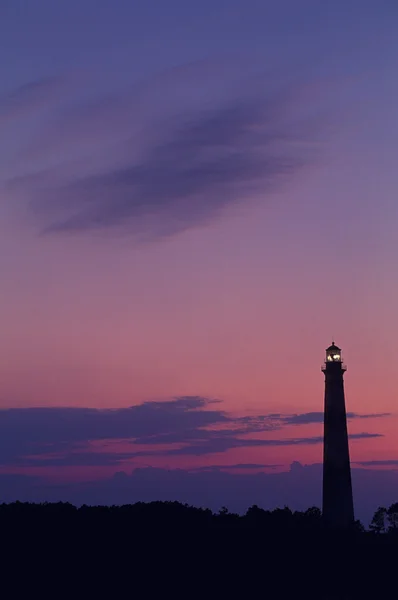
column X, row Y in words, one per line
column 194, row 201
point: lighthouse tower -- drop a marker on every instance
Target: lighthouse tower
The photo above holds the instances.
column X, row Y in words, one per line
column 337, row 502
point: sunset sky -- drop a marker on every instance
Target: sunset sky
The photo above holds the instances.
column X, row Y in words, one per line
column 195, row 198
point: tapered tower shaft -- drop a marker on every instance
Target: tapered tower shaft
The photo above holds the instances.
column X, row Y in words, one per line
column 337, row 502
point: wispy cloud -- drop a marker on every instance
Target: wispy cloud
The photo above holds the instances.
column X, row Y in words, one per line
column 238, row 467
column 378, row 463
column 29, row 97
column 216, row 443
column 179, row 168
column 317, row 417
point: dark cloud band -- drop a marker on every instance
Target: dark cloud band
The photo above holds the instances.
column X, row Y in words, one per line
column 186, row 426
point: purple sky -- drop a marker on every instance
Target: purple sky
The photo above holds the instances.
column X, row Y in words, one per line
column 194, row 198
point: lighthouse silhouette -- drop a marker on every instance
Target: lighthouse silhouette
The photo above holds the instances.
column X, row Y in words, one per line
column 337, row 500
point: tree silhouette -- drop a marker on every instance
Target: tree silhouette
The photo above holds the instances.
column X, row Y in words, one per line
column 155, row 547
column 392, row 518
column 378, row 523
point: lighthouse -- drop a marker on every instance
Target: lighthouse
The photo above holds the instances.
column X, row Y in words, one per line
column 337, row 500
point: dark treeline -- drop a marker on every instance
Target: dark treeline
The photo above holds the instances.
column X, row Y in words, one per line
column 167, row 549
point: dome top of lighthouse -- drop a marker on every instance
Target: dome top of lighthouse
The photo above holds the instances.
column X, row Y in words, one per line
column 333, row 348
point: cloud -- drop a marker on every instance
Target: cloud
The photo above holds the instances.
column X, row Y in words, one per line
column 299, row 488
column 55, row 429
column 364, row 435
column 90, row 456
column 239, row 467
column 378, row 463
column 184, row 426
column 182, row 170
column 29, row 97
column 106, row 118
column 216, row 443
column 317, row 417
column 368, row 416
column 122, row 438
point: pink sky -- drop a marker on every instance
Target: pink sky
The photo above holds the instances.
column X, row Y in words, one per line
column 238, row 306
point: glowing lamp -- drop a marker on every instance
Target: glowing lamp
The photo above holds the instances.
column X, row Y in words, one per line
column 333, row 353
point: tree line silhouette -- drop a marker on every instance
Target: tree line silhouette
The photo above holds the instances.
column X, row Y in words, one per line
column 176, row 514
column 161, row 549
